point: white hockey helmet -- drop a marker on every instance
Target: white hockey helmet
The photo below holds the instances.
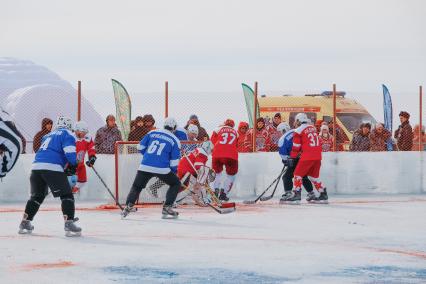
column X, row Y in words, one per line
column 81, row 126
column 192, row 128
column 207, row 146
column 63, row 122
column 283, row 127
column 170, row 124
column 302, row 118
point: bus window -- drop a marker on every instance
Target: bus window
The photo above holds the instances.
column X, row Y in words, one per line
column 352, row 121
column 311, row 115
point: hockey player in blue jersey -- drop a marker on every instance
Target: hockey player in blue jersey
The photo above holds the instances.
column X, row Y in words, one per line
column 285, row 144
column 160, row 149
column 55, row 159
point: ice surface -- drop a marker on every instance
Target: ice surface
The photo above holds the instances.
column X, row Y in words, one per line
column 355, row 239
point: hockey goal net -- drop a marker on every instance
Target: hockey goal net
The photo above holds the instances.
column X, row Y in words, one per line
column 127, row 161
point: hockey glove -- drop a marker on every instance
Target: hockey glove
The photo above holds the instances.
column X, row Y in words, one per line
column 70, row 169
column 91, row 161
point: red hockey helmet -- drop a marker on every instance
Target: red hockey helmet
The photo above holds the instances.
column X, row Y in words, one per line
column 229, row 122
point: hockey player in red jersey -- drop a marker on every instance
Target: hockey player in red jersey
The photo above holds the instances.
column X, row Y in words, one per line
column 307, row 148
column 225, row 154
column 84, row 143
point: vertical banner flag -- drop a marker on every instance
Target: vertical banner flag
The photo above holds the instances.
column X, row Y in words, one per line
column 249, row 98
column 387, row 111
column 123, row 108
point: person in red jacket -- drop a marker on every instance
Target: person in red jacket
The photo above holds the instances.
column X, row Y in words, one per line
column 242, row 133
column 274, row 134
column 263, row 141
column 84, row 143
column 225, row 154
column 306, row 148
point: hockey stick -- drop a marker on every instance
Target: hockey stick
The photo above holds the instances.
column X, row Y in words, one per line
column 229, row 207
column 276, row 185
column 263, row 193
column 107, row 188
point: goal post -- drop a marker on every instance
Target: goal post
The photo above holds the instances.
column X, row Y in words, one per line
column 127, row 160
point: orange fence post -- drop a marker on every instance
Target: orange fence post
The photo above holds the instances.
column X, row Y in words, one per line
column 334, row 119
column 79, row 101
column 421, row 121
column 254, row 117
column 166, row 90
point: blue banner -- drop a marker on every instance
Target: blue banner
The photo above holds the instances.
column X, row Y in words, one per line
column 387, row 112
column 387, row 108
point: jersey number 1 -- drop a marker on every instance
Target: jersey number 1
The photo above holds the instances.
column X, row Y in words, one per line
column 156, row 146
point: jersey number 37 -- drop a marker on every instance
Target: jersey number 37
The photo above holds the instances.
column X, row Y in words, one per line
column 228, row 138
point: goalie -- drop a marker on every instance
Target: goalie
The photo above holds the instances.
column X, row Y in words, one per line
column 193, row 173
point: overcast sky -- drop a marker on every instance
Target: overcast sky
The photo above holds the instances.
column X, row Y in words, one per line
column 216, row 45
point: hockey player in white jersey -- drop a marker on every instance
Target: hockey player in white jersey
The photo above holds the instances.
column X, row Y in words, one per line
column 161, row 153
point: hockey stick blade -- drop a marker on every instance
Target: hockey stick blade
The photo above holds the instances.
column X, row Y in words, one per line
column 265, row 198
column 222, row 210
column 250, row 201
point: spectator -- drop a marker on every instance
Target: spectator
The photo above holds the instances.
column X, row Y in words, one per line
column 148, row 124
column 361, row 140
column 325, row 139
column 340, row 136
column 417, row 141
column 274, row 134
column 133, row 124
column 46, row 127
column 242, row 133
column 262, row 137
column 136, row 133
column 202, row 133
column 106, row 136
column 378, row 138
column 404, row 133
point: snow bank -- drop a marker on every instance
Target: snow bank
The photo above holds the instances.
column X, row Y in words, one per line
column 342, row 173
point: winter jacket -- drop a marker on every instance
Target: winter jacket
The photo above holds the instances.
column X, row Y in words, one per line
column 416, row 140
column 263, row 142
column 378, row 140
column 139, row 132
column 241, row 147
column 274, row 136
column 41, row 133
column 404, row 136
column 326, row 142
column 105, row 139
column 360, row 142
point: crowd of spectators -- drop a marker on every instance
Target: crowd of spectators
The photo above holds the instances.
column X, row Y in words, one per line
column 366, row 138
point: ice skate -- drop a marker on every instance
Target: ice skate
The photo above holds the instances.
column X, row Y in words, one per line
column 222, row 196
column 71, row 229
column 312, row 197
column 126, row 211
column 25, row 227
column 169, row 213
column 291, row 197
column 323, row 198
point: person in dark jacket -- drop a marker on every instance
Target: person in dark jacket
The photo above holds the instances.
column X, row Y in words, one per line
column 361, row 140
column 136, row 133
column 404, row 133
column 379, row 137
column 202, row 133
column 46, row 127
column 106, row 136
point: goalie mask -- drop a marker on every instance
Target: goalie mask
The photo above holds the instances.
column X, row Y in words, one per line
column 63, row 122
column 207, row 146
